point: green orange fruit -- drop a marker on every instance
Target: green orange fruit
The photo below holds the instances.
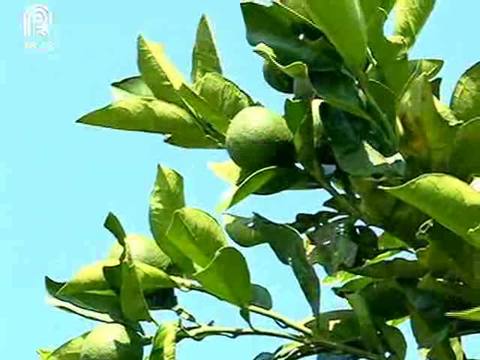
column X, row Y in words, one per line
column 112, row 342
column 258, row 138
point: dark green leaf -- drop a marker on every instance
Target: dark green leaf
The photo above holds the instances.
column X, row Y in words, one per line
column 366, row 322
column 205, row 57
column 352, row 151
column 261, row 297
column 113, row 224
column 227, row 277
column 340, row 91
column 396, row 268
column 394, row 340
column 291, row 36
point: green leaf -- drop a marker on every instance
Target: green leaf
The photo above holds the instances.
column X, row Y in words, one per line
column 165, row 342
column 335, row 247
column 193, row 239
column 353, row 152
column 287, row 244
column 44, row 353
column 396, row 268
column 113, row 224
column 469, row 315
column 366, row 322
column 250, row 185
column 427, row 136
column 261, row 297
column 227, row 277
column 343, row 23
column 292, row 37
column 228, row 171
column 339, row 325
column 152, row 116
column 463, row 160
column 167, row 196
column 410, row 17
column 465, row 101
column 340, row 91
column 88, row 278
column 131, row 87
column 456, row 197
column 71, row 350
column 429, row 67
column 394, row 340
column 158, row 72
column 204, row 112
column 222, row 95
column 205, row 57
column 96, row 305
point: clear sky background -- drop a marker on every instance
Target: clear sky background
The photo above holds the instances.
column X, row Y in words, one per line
column 58, row 180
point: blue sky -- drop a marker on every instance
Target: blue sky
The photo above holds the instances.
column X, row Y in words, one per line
column 58, row 180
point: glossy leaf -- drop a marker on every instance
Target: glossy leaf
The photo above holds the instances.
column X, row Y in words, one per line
column 410, row 17
column 350, row 38
column 455, row 197
column 193, row 239
column 465, row 101
column 113, row 224
column 158, row 72
column 205, row 58
column 227, row 277
column 152, row 116
column 165, row 342
column 395, row 341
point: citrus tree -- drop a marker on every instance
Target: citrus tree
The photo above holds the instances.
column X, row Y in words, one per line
column 362, row 122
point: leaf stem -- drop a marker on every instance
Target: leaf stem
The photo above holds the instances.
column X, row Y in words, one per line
column 199, row 333
column 281, row 319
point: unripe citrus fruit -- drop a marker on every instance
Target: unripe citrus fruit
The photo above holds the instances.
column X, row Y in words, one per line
column 258, row 137
column 112, row 342
column 142, row 249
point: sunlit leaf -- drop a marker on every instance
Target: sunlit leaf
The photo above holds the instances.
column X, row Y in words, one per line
column 205, row 57
column 350, row 38
column 227, row 277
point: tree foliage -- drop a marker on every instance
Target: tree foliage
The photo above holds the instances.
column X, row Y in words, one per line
column 399, row 233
